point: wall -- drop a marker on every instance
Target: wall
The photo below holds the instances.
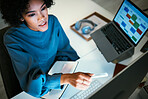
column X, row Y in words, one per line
column 113, row 5
column 2, row 23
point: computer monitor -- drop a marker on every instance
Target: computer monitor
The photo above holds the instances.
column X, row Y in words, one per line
column 125, row 82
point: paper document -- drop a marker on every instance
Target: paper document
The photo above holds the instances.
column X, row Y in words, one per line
column 69, row 67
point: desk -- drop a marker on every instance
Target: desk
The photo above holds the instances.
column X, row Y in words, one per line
column 68, row 12
column 93, row 62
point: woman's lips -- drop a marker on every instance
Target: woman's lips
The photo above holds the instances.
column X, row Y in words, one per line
column 43, row 24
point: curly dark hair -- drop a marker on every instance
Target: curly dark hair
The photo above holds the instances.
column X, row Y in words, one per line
column 12, row 10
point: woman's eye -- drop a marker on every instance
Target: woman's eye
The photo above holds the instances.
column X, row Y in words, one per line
column 31, row 15
column 43, row 8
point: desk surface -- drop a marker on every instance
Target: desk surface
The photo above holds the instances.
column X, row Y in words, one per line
column 68, row 12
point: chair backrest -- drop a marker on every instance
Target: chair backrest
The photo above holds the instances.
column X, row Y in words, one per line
column 10, row 80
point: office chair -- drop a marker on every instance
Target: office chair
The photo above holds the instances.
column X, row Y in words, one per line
column 11, row 83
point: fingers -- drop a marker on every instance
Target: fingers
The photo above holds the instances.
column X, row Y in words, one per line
column 86, row 82
column 90, row 74
column 80, row 86
column 81, row 80
column 86, row 76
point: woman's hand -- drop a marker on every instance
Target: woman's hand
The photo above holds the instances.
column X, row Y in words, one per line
column 79, row 80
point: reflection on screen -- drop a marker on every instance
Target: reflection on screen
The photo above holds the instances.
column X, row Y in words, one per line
column 132, row 21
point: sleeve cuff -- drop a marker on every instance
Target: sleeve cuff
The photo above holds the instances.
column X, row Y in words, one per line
column 53, row 81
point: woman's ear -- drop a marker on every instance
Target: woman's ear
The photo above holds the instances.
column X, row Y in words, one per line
column 22, row 19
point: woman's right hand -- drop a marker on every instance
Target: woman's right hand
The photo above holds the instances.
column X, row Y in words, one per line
column 79, row 80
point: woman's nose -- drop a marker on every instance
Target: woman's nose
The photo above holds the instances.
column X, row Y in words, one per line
column 40, row 17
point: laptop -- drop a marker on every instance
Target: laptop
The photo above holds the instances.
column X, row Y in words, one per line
column 117, row 39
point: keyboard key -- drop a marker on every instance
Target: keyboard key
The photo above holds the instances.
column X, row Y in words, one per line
column 84, row 93
column 116, row 39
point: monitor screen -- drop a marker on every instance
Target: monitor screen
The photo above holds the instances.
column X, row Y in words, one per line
column 125, row 82
column 132, row 21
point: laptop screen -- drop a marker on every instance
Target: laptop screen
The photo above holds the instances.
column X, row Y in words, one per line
column 132, row 21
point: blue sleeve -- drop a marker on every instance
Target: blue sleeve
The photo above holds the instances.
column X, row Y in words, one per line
column 65, row 51
column 32, row 79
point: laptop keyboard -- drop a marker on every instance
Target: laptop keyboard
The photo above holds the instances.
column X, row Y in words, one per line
column 85, row 93
column 116, row 39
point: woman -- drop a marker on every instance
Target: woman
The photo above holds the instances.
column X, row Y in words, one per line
column 34, row 42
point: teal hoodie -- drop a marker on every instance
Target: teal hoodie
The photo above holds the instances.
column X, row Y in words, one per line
column 33, row 53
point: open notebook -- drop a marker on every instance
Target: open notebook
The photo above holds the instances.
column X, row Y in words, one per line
column 60, row 67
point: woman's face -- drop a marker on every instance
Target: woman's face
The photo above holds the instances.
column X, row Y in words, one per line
column 36, row 16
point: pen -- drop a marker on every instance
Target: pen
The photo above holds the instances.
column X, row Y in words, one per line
column 100, row 75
